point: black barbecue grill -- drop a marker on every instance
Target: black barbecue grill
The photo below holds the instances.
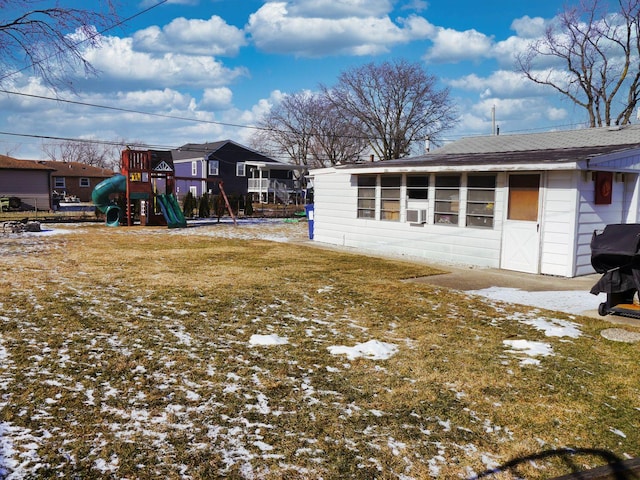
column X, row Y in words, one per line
column 615, row 253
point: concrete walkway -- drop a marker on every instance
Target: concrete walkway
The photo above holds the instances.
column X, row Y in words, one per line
column 471, row 278
column 478, row 278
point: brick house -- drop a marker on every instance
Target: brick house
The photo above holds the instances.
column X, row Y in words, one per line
column 75, row 180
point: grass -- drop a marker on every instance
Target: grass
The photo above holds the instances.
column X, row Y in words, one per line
column 127, row 355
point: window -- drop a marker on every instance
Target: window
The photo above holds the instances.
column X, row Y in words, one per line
column 447, row 202
column 84, row 182
column 194, row 168
column 418, row 187
column 390, row 197
column 481, row 193
column 213, row 168
column 194, row 191
column 241, row 169
column 59, row 182
column 367, row 196
column 523, row 197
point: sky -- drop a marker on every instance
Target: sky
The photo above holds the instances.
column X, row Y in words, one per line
column 193, row 71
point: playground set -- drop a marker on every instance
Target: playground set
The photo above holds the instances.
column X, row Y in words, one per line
column 148, row 177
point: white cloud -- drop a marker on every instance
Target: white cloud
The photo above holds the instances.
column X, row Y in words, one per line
column 416, row 5
column 556, row 114
column 194, row 37
column 150, row 100
column 118, row 61
column 334, row 9
column 453, row 46
column 276, row 28
column 501, row 83
column 217, row 98
column 529, row 28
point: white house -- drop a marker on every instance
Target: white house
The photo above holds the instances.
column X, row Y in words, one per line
column 528, row 202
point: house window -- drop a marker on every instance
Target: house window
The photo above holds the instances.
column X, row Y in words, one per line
column 59, row 182
column 194, row 168
column 241, row 169
column 481, row 195
column 390, row 197
column 418, row 187
column 447, row 201
column 84, row 182
column 523, row 197
column 194, row 191
column 214, row 168
column 367, row 196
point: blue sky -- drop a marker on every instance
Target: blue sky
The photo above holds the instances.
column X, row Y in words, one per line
column 227, row 62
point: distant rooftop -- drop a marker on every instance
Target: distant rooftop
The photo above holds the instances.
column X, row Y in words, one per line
column 587, row 137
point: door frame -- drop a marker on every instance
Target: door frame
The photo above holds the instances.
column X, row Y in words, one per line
column 521, row 239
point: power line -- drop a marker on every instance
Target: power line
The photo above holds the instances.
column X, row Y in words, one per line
column 128, row 110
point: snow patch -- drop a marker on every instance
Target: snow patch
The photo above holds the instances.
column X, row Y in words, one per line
column 373, row 350
column 268, row 340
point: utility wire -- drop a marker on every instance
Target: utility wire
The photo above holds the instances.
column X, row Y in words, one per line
column 127, row 110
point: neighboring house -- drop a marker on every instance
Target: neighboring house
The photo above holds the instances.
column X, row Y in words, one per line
column 75, row 180
column 201, row 167
column 528, row 203
column 28, row 180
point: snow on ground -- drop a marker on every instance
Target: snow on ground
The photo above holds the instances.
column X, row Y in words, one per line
column 373, row 350
column 528, row 352
column 573, row 302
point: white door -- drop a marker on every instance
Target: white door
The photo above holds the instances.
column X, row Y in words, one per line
column 521, row 229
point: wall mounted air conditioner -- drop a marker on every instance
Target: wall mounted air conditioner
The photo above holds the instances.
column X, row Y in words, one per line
column 416, row 216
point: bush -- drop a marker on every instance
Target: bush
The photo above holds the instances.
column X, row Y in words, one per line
column 248, row 204
column 189, row 205
column 204, row 210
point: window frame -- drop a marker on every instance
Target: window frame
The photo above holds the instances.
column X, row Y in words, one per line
column 213, row 168
column 84, row 182
column 366, row 200
column 241, row 169
column 390, row 188
column 194, row 168
column 476, row 216
column 447, row 193
column 418, row 192
column 59, row 182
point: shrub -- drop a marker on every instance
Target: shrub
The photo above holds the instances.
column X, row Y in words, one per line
column 204, row 210
column 189, row 205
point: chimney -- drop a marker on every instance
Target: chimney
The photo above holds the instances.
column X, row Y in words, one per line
column 371, row 157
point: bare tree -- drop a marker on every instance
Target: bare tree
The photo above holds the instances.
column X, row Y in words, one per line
column 97, row 154
column 288, row 128
column 336, row 139
column 599, row 51
column 49, row 41
column 393, row 105
column 306, row 129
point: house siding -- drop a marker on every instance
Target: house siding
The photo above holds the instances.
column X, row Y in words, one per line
column 73, row 188
column 31, row 186
column 335, row 223
column 592, row 217
column 184, row 177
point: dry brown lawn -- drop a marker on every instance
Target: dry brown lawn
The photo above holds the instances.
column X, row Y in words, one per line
column 208, row 352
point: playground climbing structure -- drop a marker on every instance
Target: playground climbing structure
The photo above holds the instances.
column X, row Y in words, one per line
column 147, row 178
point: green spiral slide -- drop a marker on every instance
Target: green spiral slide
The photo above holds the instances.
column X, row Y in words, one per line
column 100, row 197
